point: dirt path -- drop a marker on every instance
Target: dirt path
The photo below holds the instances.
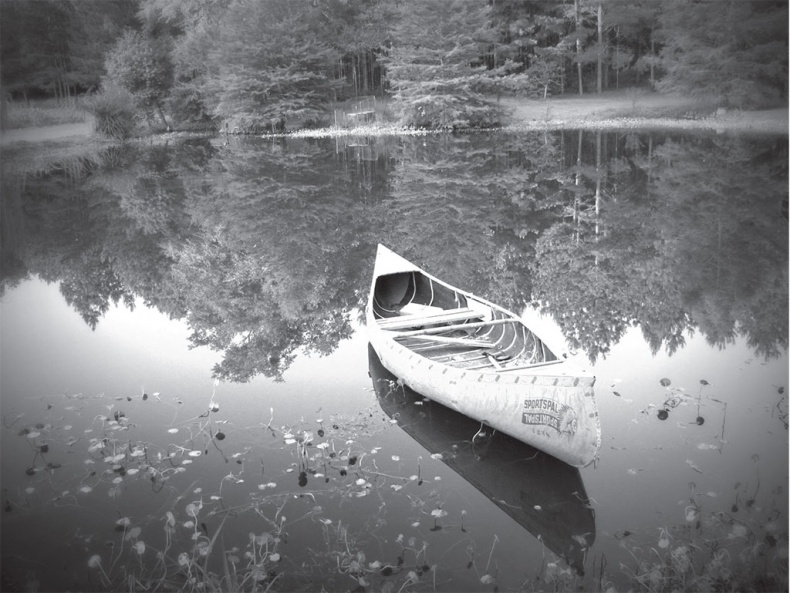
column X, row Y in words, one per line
column 617, row 110
column 46, row 133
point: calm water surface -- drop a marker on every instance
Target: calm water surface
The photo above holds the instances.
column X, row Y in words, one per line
column 189, row 401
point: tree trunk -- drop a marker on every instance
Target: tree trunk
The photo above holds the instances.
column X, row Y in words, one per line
column 617, row 57
column 363, row 67
column 354, row 62
column 600, row 48
column 652, row 55
column 162, row 116
column 578, row 48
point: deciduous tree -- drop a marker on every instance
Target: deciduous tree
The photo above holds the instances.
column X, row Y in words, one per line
column 141, row 65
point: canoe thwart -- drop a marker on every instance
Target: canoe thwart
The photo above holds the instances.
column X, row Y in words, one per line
column 472, row 343
column 451, row 316
column 443, row 328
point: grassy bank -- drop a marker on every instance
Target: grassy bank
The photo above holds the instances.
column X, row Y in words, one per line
column 41, row 113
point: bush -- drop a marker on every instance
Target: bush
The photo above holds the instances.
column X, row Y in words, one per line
column 448, row 111
column 114, row 113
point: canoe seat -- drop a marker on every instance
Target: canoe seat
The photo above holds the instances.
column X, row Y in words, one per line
column 447, row 316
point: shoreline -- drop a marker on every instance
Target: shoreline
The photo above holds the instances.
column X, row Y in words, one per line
column 613, row 112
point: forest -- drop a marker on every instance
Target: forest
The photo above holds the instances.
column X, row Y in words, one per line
column 262, row 65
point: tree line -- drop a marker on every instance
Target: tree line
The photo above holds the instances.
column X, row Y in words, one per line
column 257, row 64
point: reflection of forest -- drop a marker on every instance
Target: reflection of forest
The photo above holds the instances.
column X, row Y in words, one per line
column 265, row 248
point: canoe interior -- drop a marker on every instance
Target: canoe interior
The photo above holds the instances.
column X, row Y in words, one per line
column 445, row 325
column 395, row 291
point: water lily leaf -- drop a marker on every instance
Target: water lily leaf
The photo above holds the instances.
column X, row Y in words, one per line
column 665, row 382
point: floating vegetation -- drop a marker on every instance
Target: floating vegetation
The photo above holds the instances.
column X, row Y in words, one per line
column 712, row 551
column 318, row 503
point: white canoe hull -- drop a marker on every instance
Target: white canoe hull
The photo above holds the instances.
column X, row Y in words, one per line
column 551, row 408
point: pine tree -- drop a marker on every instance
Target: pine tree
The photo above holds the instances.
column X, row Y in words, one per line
column 436, row 67
column 733, row 51
column 270, row 65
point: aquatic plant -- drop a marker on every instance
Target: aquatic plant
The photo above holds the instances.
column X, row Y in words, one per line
column 712, row 551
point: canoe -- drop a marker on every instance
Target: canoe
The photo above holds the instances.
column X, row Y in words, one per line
column 539, row 492
column 481, row 360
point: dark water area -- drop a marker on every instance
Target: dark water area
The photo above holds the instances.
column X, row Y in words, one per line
column 189, row 401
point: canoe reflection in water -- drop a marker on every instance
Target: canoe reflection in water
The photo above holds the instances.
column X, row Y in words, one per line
column 540, row 492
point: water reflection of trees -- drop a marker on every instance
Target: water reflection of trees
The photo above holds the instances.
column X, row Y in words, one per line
column 265, row 248
column 688, row 235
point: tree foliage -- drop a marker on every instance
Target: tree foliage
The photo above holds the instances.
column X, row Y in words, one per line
column 268, row 64
column 435, row 67
column 734, row 51
column 57, row 48
column 141, row 65
column 249, row 64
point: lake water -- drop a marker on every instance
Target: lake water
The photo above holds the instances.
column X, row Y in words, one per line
column 189, row 401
